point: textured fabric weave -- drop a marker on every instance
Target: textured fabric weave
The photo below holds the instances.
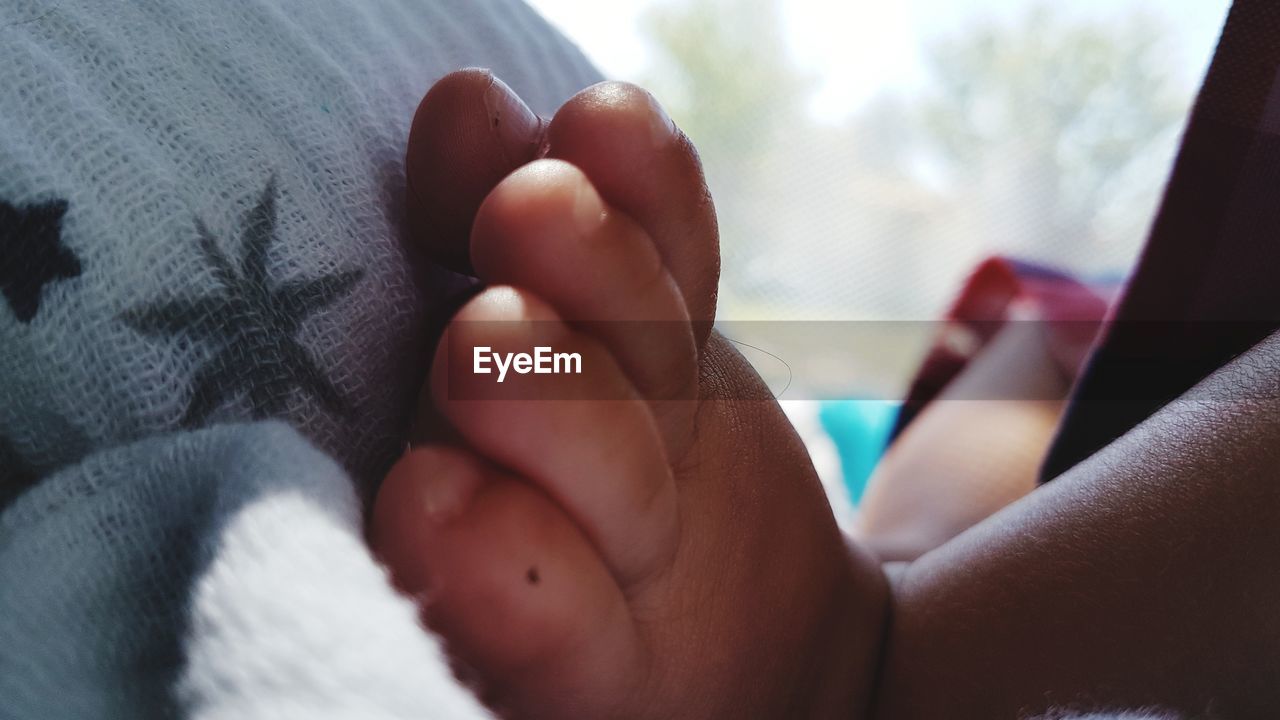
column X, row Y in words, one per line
column 210, row 574
column 160, row 127
column 200, row 229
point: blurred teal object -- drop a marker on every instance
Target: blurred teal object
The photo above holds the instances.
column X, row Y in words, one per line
column 860, row 430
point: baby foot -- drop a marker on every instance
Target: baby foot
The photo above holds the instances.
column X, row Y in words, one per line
column 646, row 539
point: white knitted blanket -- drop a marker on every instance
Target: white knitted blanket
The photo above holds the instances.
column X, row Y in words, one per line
column 208, row 328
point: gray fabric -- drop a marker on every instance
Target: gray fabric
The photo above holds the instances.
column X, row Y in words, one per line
column 219, row 573
column 162, row 125
column 200, row 207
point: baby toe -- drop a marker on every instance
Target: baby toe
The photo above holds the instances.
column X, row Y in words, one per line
column 508, row 579
column 641, row 163
column 550, row 402
column 469, row 132
column 546, row 229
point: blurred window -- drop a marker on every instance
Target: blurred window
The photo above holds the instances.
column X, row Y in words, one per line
column 864, row 155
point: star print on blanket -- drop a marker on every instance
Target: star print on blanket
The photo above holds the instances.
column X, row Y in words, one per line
column 33, row 253
column 252, row 323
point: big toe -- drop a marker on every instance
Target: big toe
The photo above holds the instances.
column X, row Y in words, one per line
column 621, row 138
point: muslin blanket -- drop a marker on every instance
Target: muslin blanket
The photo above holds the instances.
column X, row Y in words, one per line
column 211, row 337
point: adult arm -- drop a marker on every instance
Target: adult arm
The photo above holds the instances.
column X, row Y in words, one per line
column 1149, row 573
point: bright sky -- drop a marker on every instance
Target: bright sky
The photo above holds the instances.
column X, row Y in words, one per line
column 860, row 47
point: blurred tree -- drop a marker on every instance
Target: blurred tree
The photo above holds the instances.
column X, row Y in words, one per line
column 1054, row 130
column 723, row 72
column 1045, row 134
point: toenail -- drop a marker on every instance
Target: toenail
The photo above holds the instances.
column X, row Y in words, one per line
column 511, row 121
column 445, row 497
column 662, row 127
column 588, row 208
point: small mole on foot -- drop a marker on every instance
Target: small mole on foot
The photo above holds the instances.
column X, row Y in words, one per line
column 532, row 576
